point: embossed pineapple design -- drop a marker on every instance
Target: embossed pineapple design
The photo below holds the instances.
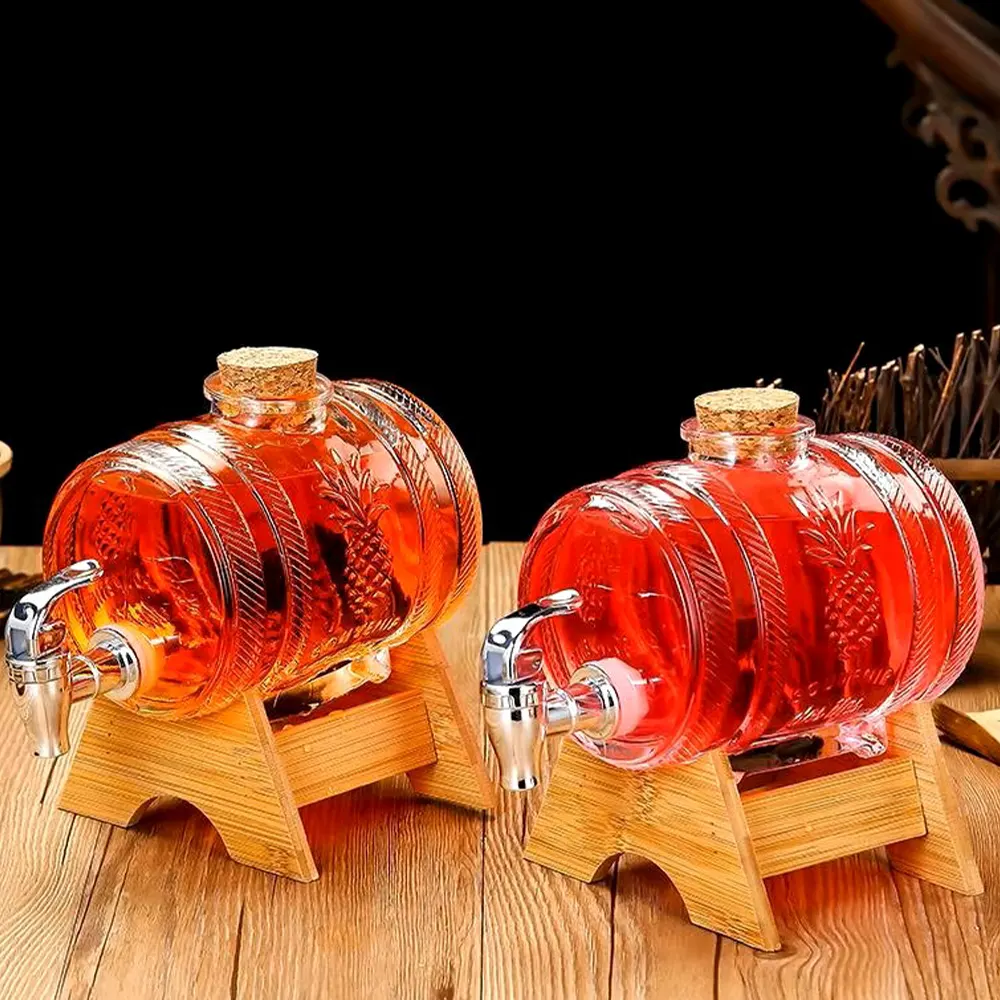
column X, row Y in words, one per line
column 595, row 564
column 113, row 528
column 325, row 593
column 837, row 541
column 112, row 531
column 368, row 572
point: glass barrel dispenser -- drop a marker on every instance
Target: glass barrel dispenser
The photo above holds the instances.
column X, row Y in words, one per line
column 775, row 584
column 300, row 529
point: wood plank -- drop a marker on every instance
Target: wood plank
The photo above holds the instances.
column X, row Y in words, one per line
column 945, row 855
column 850, row 928
column 226, row 764
column 457, row 774
column 687, row 819
column 50, row 859
column 967, row 470
column 834, row 816
column 546, row 936
column 956, row 939
column 164, row 916
column 658, row 952
column 350, row 746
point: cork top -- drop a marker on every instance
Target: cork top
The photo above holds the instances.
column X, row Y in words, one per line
column 747, row 411
column 268, row 372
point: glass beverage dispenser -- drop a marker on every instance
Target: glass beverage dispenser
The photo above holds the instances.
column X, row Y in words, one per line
column 772, row 585
column 302, row 528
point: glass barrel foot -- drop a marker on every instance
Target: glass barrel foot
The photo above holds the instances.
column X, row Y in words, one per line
column 865, row 738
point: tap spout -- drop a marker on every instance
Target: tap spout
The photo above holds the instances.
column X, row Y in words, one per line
column 45, row 677
column 522, row 709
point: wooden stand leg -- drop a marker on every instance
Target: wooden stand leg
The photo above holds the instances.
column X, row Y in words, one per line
column 459, row 774
column 249, row 777
column 225, row 764
column 716, row 844
column 688, row 820
column 944, row 856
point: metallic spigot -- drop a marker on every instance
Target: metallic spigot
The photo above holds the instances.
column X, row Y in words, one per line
column 522, row 708
column 45, row 677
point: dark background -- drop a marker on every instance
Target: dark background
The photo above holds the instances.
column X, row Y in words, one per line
column 556, row 240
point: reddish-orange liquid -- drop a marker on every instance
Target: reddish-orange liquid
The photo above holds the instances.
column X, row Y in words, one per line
column 256, row 555
column 758, row 603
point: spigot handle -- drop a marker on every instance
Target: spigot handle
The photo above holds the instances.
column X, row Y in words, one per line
column 502, row 648
column 28, row 620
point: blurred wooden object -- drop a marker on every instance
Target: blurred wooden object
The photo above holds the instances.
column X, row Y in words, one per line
column 955, row 56
column 970, row 470
column 969, row 713
column 978, row 731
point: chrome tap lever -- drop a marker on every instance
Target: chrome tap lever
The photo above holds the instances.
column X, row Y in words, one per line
column 521, row 708
column 46, row 678
column 28, row 628
column 502, row 648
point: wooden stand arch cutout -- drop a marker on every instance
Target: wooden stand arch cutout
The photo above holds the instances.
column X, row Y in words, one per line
column 250, row 776
column 718, row 845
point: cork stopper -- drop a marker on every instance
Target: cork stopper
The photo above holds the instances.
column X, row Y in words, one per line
column 268, row 372
column 747, row 411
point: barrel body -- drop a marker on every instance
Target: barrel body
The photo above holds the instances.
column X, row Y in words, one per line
column 762, row 599
column 257, row 549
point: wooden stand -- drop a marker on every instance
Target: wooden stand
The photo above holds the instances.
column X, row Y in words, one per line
column 250, row 776
column 718, row 844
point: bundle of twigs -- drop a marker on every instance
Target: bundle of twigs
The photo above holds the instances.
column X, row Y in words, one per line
column 949, row 409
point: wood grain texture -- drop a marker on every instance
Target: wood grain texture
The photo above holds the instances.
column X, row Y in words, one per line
column 398, row 910
column 49, row 858
column 458, row 774
column 688, row 820
column 226, row 764
column 813, row 821
column 379, row 734
column 124, row 761
column 691, row 821
column 945, row 855
column 544, row 935
column 409, row 905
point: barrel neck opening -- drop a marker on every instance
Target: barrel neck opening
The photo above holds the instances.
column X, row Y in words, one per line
column 778, row 447
column 300, row 414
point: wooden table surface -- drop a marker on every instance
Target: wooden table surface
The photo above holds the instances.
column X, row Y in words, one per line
column 419, row 899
